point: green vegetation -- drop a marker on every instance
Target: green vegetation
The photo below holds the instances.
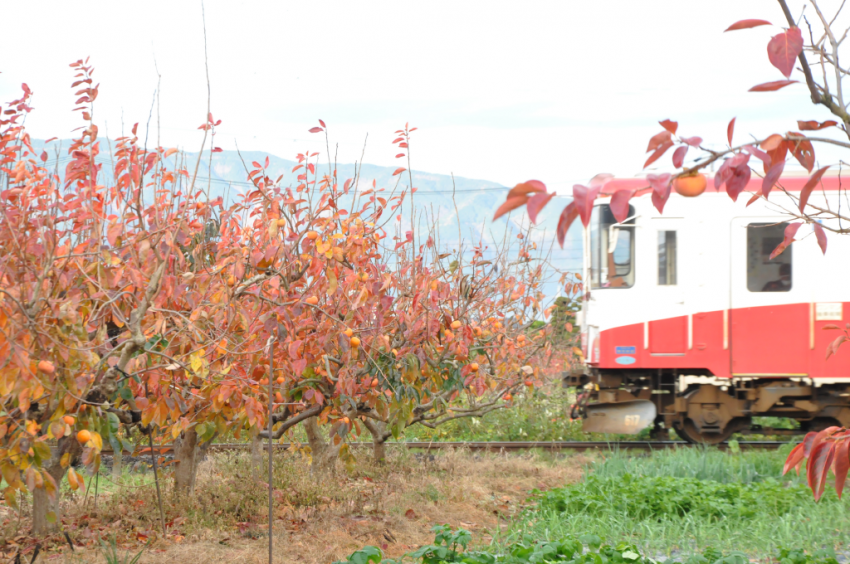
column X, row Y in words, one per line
column 451, row 546
column 537, row 415
column 689, row 500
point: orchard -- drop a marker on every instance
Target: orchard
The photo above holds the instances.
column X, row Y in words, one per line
column 133, row 305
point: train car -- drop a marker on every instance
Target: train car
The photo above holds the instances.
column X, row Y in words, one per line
column 687, row 323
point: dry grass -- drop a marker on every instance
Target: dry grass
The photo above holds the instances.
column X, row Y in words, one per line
column 318, row 520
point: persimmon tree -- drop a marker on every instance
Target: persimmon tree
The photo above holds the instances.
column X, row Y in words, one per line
column 812, row 48
column 130, row 300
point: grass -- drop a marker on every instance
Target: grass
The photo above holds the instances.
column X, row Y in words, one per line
column 689, row 500
column 317, row 519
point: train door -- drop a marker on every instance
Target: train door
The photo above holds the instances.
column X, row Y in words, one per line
column 768, row 319
column 667, row 335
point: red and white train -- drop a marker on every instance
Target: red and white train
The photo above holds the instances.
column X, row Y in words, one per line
column 688, row 324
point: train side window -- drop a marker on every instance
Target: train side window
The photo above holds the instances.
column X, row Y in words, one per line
column 667, row 258
column 763, row 273
column 612, row 249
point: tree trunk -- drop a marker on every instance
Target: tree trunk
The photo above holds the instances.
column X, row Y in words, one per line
column 324, row 455
column 41, row 502
column 256, row 455
column 379, row 439
column 117, row 466
column 186, row 459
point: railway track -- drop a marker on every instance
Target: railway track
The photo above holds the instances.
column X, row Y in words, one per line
column 497, row 446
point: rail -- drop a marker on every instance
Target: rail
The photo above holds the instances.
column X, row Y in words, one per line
column 496, row 446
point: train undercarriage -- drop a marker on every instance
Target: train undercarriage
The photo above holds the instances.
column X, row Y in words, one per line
column 702, row 408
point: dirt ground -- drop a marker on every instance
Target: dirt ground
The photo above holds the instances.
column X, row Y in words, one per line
column 317, row 519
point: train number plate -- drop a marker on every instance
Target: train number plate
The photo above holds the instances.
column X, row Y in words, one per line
column 828, row 312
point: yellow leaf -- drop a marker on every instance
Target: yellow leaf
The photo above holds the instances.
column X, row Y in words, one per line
column 96, row 441
column 72, row 479
column 333, row 283
column 66, row 460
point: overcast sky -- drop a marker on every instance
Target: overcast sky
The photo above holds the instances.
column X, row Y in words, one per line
column 503, row 91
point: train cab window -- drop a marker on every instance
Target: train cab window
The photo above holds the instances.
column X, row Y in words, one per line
column 612, row 249
column 667, row 258
column 763, row 273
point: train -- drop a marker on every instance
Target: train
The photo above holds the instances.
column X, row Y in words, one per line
column 688, row 323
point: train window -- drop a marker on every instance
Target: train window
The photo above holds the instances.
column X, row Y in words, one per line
column 666, row 258
column 612, row 249
column 763, row 273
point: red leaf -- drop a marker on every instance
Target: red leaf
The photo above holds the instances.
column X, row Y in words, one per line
column 735, row 172
column 809, row 441
column 771, row 86
column 746, row 24
column 583, row 198
column 790, row 231
column 267, row 162
column 753, row 199
column 620, row 204
column 527, row 187
column 819, row 462
column 601, row 180
column 510, row 204
column 820, row 234
column 217, row 150
column 400, row 155
column 758, row 153
column 322, row 123
column 803, row 151
column 113, row 232
column 771, row 178
column 833, row 346
column 810, row 185
column 657, row 140
column 794, row 458
column 679, row 156
column 659, row 152
column 661, row 186
column 537, row 203
column 669, row 125
column 399, row 171
column 841, row 464
column 772, row 142
column 813, row 125
column 568, row 216
column 692, row 141
column 784, row 49
column 730, row 130
column 316, row 129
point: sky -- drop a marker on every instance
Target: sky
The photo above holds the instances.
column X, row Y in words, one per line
column 503, row 91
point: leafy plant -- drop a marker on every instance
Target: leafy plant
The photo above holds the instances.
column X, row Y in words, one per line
column 587, row 549
column 110, row 553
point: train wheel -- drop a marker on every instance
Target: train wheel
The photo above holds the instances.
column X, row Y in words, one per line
column 691, row 434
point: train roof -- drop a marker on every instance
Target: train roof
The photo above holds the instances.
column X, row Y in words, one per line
column 792, row 181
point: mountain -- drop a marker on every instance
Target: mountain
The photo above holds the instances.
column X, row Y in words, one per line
column 476, row 200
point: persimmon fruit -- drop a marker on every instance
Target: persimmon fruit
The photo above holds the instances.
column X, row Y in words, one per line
column 83, row 437
column 690, row 186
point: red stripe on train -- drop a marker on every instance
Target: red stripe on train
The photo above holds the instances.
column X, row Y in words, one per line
column 783, row 340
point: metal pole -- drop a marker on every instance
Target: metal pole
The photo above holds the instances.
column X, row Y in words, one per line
column 271, row 424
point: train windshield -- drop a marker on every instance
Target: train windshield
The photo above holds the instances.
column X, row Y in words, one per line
column 612, row 249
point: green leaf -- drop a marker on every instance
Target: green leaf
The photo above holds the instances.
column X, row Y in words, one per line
column 125, row 393
column 51, row 517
